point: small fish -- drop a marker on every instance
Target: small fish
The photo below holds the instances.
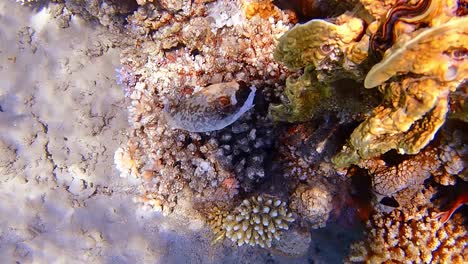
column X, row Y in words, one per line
column 212, row 108
column 459, row 202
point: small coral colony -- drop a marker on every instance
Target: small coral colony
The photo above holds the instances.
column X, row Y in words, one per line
column 273, row 116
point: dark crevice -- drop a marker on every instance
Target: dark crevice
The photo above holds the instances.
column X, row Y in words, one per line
column 390, row 201
column 392, row 158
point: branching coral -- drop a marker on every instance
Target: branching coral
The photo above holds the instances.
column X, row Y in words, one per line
column 256, row 221
column 398, row 237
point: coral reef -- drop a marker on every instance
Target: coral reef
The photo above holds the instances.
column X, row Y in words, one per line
column 198, row 133
column 204, row 81
column 176, row 66
column 398, row 237
column 327, row 51
column 256, row 221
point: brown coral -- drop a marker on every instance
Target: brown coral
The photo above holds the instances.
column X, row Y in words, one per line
column 414, row 111
column 387, row 180
column 415, row 107
column 263, row 8
column 401, row 238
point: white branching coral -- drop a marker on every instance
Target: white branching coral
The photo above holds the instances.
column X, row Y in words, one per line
column 257, row 221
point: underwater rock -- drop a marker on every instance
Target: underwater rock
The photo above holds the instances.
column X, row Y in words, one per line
column 313, row 203
column 212, row 108
column 294, row 243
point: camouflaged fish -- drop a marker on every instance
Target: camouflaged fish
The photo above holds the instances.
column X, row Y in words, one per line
column 212, row 108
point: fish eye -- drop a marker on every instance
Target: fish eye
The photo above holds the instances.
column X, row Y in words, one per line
column 224, row 101
column 326, row 48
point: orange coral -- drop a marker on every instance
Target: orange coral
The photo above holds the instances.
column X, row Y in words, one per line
column 264, row 8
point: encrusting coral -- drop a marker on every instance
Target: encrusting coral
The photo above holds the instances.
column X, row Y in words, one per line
column 387, row 180
column 256, row 221
column 419, row 238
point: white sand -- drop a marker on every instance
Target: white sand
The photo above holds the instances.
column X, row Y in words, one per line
column 62, row 117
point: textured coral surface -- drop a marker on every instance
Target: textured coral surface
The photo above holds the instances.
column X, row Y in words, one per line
column 401, row 238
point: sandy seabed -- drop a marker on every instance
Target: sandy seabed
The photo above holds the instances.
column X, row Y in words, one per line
column 62, row 116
